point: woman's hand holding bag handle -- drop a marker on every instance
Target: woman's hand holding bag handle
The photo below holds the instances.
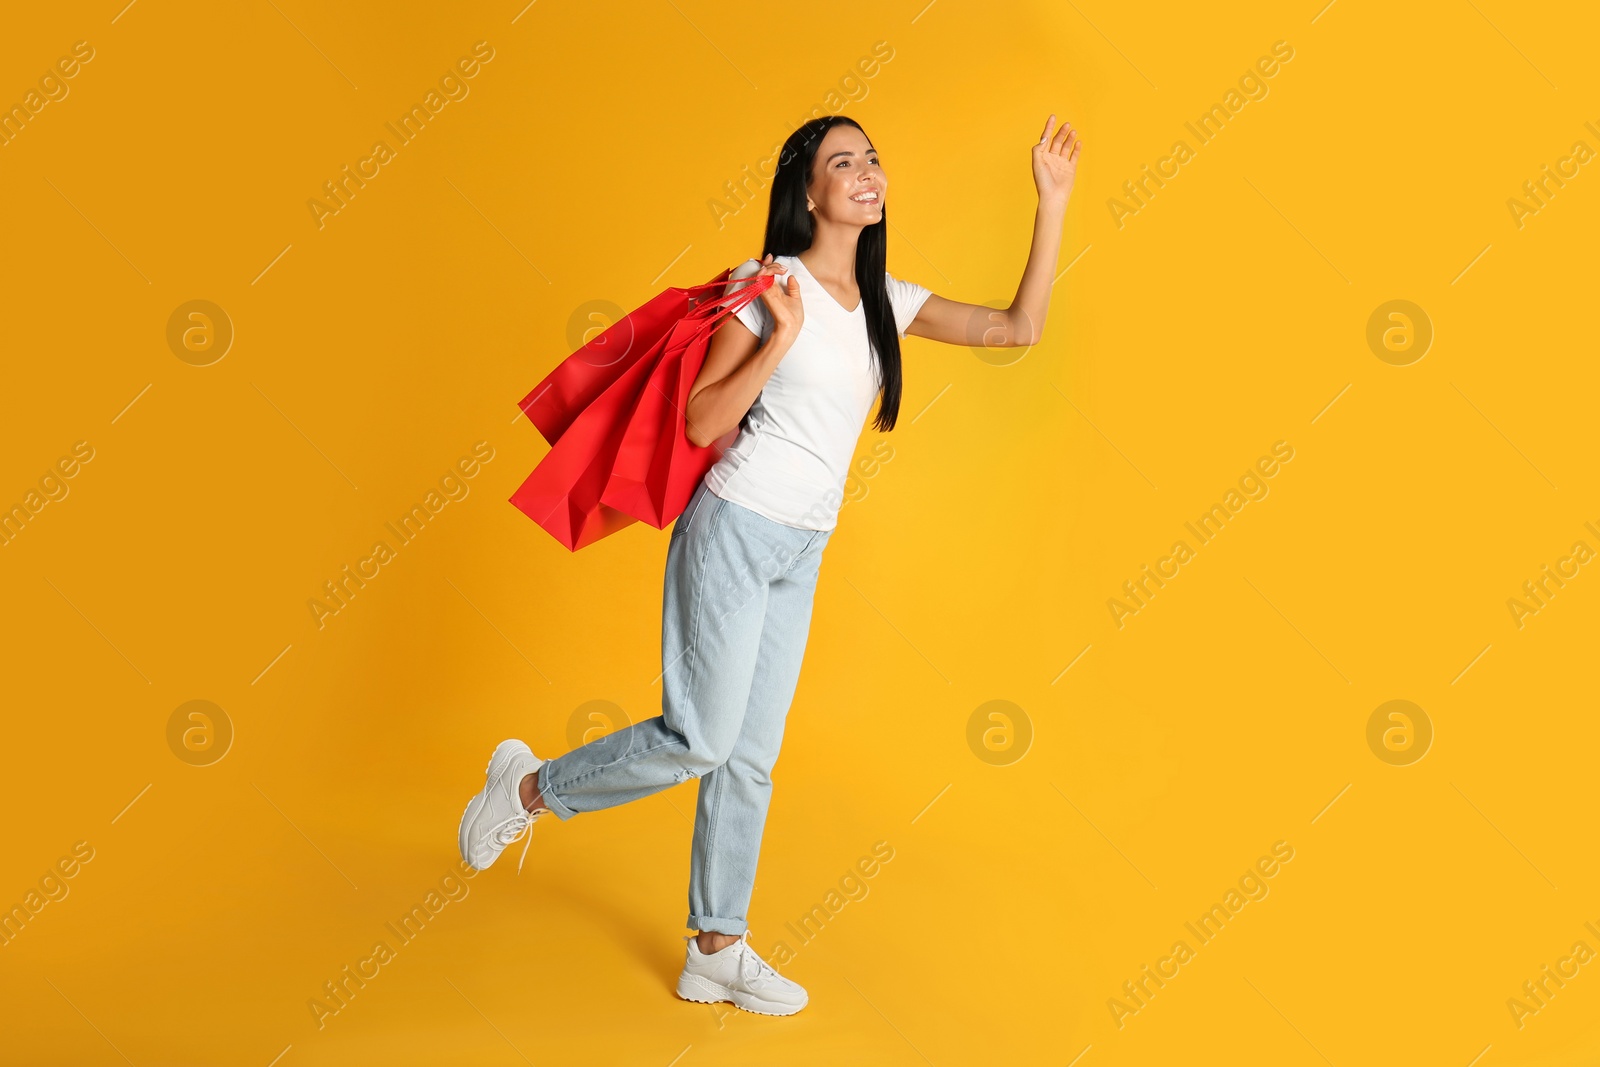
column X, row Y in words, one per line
column 782, row 297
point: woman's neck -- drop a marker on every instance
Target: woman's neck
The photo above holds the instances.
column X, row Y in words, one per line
column 832, row 255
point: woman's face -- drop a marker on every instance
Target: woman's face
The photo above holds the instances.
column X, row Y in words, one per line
column 844, row 176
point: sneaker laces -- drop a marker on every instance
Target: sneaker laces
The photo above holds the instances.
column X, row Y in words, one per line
column 520, row 824
column 763, row 970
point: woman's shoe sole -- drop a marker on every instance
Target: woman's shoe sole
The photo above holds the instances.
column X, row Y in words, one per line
column 704, row 991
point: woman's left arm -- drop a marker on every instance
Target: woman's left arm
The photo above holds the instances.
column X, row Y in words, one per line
column 1055, row 165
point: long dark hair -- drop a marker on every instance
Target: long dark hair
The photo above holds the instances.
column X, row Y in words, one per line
column 789, row 233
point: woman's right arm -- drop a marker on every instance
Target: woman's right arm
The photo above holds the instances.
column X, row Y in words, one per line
column 735, row 369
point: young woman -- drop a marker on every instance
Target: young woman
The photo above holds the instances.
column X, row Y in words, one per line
column 797, row 374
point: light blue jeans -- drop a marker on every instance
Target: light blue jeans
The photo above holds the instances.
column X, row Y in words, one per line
column 735, row 614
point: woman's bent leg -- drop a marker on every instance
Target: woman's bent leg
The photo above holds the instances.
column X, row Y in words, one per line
column 707, row 672
column 625, row 765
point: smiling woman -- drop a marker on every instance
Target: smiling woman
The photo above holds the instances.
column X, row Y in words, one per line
column 796, row 372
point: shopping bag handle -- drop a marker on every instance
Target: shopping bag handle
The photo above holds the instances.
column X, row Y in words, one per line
column 726, row 303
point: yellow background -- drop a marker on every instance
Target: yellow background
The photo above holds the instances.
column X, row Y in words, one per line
column 1225, row 716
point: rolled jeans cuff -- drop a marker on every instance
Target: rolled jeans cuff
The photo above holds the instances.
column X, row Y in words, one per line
column 546, row 794
column 706, row 923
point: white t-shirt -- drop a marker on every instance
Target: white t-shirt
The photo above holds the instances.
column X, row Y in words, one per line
column 792, row 456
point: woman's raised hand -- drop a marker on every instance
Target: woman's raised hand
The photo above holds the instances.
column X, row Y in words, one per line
column 782, row 297
column 1055, row 161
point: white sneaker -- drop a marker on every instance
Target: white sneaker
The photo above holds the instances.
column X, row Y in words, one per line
column 495, row 817
column 738, row 973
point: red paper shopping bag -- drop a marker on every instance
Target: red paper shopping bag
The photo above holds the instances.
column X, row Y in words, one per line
column 657, row 467
column 613, row 412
